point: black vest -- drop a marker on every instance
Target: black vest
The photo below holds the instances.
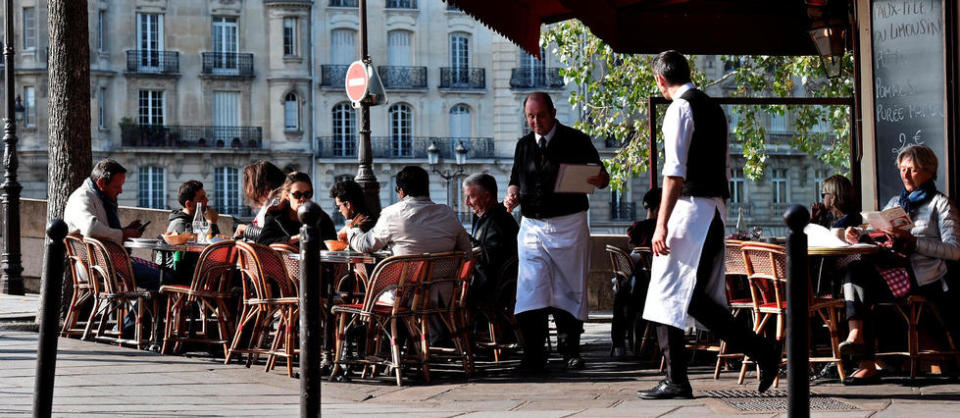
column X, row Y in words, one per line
column 707, row 160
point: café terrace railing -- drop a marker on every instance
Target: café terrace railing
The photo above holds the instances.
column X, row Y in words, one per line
column 410, row 147
column 403, row 78
column 153, row 62
column 536, row 78
column 239, row 64
column 176, row 136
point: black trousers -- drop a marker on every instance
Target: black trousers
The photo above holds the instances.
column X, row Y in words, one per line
column 738, row 336
column 628, row 300
column 534, row 328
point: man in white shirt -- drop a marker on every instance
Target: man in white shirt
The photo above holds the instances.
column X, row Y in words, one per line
column 687, row 275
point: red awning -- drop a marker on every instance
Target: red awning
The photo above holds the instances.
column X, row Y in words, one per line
column 732, row 27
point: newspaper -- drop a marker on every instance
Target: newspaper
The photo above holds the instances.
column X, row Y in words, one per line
column 894, row 218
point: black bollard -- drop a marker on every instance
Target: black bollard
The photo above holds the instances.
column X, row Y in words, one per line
column 798, row 341
column 310, row 318
column 49, row 320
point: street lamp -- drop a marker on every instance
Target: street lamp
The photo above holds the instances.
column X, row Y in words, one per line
column 433, row 157
column 19, row 109
column 11, row 268
column 829, row 35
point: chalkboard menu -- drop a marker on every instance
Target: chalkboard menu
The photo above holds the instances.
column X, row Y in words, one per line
column 908, row 85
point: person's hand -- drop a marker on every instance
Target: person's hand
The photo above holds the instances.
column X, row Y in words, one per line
column 817, row 210
column 294, row 240
column 659, row 242
column 239, row 232
column 903, row 238
column 511, row 201
column 210, row 214
column 852, row 235
column 132, row 231
column 600, row 180
column 356, row 221
column 342, row 235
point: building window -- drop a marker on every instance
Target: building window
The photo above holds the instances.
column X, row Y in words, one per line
column 778, row 188
column 150, row 107
column 101, row 32
column 460, row 58
column 291, row 112
column 30, row 102
column 101, row 111
column 399, row 48
column 225, row 45
column 343, row 46
column 226, row 190
column 152, row 192
column 344, row 130
column 150, row 41
column 401, row 130
column 738, row 187
column 818, row 177
column 290, row 36
column 460, row 121
column 29, row 28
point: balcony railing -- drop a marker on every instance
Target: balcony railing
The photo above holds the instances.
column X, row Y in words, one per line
column 623, row 211
column 153, row 62
column 333, row 75
column 344, row 3
column 403, row 78
column 536, row 78
column 228, row 63
column 175, row 136
column 409, row 147
column 463, row 78
column 401, row 4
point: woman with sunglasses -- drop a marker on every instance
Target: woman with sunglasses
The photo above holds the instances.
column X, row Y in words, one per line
column 837, row 209
column 281, row 223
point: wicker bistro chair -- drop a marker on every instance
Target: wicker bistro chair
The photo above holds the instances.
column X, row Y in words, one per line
column 767, row 273
column 623, row 270
column 736, row 275
column 911, row 309
column 110, row 265
column 84, row 290
column 400, row 275
column 442, row 295
column 210, row 292
column 274, row 299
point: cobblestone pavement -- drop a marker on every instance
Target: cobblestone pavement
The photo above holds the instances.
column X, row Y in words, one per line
column 103, row 380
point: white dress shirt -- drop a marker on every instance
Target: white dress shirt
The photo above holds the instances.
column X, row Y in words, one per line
column 677, row 133
column 414, row 225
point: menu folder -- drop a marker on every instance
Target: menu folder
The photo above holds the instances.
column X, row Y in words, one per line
column 572, row 178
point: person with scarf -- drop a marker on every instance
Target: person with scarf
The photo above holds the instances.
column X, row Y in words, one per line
column 836, row 209
column 91, row 211
column 926, row 248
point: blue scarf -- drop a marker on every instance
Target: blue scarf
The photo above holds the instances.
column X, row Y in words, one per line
column 110, row 205
column 910, row 201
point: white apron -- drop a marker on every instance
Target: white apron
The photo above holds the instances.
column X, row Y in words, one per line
column 554, row 260
column 673, row 276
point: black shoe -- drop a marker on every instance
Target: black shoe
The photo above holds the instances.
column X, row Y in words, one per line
column 574, row 363
column 770, row 366
column 667, row 390
column 873, row 379
column 850, row 348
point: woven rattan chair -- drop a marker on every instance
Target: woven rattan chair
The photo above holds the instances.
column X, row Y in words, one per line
column 442, row 295
column 767, row 273
column 110, row 265
column 498, row 314
column 84, row 290
column 736, row 271
column 209, row 292
column 623, row 269
column 911, row 309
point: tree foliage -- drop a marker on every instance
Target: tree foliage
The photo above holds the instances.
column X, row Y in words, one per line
column 613, row 90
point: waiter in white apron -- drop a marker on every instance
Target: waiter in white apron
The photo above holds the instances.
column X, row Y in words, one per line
column 687, row 275
column 553, row 245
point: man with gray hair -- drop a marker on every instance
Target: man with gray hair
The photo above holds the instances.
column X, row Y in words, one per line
column 495, row 233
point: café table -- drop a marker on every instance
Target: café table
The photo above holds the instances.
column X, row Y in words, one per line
column 823, row 253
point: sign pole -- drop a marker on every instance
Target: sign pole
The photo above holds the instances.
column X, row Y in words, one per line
column 365, row 176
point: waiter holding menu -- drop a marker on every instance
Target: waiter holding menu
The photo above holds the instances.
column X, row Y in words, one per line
column 553, row 243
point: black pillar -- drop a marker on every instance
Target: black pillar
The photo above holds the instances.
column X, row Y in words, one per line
column 11, row 281
column 798, row 361
column 49, row 320
column 310, row 317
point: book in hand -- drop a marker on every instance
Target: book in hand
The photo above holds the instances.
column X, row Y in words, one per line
column 894, row 218
column 572, row 178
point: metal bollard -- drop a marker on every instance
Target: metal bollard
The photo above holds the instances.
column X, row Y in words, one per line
column 798, row 341
column 49, row 320
column 310, row 317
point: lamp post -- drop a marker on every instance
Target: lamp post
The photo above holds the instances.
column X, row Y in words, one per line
column 11, row 281
column 460, row 156
column 365, row 176
column 829, row 35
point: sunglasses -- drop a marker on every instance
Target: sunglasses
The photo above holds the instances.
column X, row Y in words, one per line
column 306, row 195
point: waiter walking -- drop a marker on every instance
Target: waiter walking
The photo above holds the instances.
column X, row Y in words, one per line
column 554, row 239
column 687, row 275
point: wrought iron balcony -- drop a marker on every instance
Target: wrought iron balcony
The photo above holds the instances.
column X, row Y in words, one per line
column 623, row 211
column 401, row 4
column 403, row 78
column 409, row 147
column 536, row 78
column 175, row 136
column 463, row 78
column 344, row 3
column 238, row 64
column 333, row 75
column 153, row 62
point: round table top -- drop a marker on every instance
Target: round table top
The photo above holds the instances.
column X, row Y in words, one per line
column 349, row 257
column 161, row 245
column 855, row 249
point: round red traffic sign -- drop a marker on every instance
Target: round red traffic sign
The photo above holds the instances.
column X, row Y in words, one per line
column 356, row 81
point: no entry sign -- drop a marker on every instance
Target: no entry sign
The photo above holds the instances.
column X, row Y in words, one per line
column 357, row 81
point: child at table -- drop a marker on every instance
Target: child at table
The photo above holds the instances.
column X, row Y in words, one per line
column 190, row 193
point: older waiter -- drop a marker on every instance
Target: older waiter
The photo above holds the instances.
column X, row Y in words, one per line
column 687, row 275
column 553, row 243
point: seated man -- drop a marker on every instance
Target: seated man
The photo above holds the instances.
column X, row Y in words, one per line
column 92, row 211
column 352, row 204
column 190, row 193
column 495, row 233
column 630, row 295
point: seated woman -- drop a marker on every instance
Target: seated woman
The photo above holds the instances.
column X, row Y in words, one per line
column 933, row 240
column 281, row 223
column 352, row 204
column 836, row 210
column 260, row 179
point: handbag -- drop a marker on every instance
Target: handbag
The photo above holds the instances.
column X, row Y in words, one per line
column 891, row 263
